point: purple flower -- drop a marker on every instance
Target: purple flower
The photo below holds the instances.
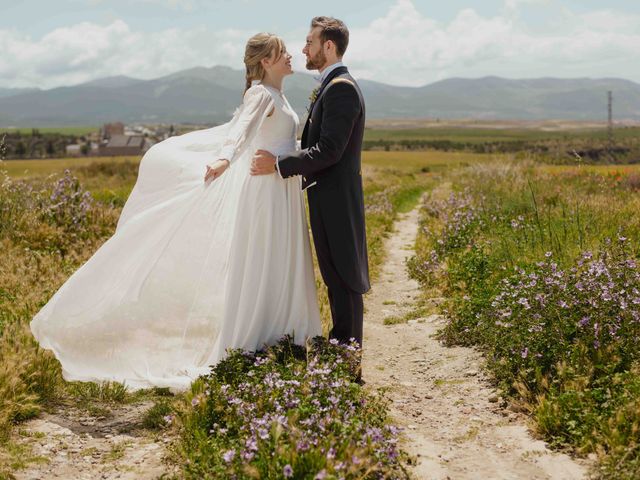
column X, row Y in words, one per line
column 229, row 455
column 287, row 471
column 525, row 352
column 251, row 444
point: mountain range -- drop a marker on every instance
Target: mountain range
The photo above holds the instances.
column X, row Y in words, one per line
column 210, row 95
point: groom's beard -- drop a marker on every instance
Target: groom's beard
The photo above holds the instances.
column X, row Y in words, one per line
column 317, row 61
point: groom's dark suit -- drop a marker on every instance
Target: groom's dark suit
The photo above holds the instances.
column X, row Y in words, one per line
column 330, row 158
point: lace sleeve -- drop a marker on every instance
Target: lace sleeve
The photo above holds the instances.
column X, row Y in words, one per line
column 256, row 106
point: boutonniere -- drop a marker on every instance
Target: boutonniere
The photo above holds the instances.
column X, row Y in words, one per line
column 312, row 98
column 314, row 94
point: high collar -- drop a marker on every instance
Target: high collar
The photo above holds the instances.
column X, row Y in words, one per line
column 325, row 73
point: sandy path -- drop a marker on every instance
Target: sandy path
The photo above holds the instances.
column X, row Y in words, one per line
column 76, row 445
column 454, row 423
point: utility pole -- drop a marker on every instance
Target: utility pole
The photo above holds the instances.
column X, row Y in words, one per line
column 610, row 123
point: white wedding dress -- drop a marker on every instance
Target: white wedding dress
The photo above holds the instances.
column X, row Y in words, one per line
column 192, row 269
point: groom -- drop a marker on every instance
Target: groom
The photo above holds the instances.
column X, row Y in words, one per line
column 329, row 163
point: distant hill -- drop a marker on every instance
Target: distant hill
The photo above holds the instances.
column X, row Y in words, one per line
column 210, row 95
column 10, row 92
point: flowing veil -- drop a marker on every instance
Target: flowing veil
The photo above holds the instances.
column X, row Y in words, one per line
column 146, row 308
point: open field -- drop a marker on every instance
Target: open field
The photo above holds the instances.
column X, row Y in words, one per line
column 479, row 134
column 486, row 220
column 542, row 125
column 431, row 160
column 30, row 168
column 403, row 160
column 61, row 130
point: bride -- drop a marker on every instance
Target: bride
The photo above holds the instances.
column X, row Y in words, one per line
column 196, row 265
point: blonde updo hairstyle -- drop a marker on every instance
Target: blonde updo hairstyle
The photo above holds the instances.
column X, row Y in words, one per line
column 260, row 46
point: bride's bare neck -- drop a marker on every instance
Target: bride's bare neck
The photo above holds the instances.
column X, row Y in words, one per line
column 273, row 81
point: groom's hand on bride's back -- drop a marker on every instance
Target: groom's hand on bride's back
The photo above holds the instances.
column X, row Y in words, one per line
column 215, row 170
column 263, row 163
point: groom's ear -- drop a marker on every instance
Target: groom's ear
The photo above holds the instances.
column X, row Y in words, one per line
column 330, row 45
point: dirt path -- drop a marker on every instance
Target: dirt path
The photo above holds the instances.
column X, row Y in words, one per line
column 73, row 444
column 455, row 424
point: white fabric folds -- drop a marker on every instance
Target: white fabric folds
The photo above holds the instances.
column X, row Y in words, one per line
column 192, row 268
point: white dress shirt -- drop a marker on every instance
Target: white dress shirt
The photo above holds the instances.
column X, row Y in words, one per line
column 320, row 78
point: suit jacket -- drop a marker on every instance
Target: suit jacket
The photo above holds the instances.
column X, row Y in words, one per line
column 331, row 157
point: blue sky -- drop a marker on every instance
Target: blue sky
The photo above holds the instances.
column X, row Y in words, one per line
column 403, row 42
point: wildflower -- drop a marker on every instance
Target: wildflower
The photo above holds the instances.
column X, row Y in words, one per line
column 229, row 455
column 287, row 471
column 251, row 444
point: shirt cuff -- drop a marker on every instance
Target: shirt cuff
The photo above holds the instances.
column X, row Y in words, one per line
column 278, row 166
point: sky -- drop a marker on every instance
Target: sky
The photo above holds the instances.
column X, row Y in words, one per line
column 48, row 44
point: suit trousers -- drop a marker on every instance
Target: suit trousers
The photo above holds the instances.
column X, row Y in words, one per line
column 346, row 305
column 346, row 313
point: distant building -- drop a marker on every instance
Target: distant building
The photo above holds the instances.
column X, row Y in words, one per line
column 74, row 150
column 125, row 145
column 108, row 130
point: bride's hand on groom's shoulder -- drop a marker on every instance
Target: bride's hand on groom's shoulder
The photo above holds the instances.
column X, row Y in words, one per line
column 215, row 170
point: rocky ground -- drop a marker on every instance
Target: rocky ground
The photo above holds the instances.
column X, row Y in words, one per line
column 72, row 443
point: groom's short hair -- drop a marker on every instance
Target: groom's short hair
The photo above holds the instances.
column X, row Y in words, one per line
column 334, row 30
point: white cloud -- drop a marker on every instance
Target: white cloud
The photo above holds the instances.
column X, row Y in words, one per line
column 406, row 47
column 403, row 47
column 87, row 51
